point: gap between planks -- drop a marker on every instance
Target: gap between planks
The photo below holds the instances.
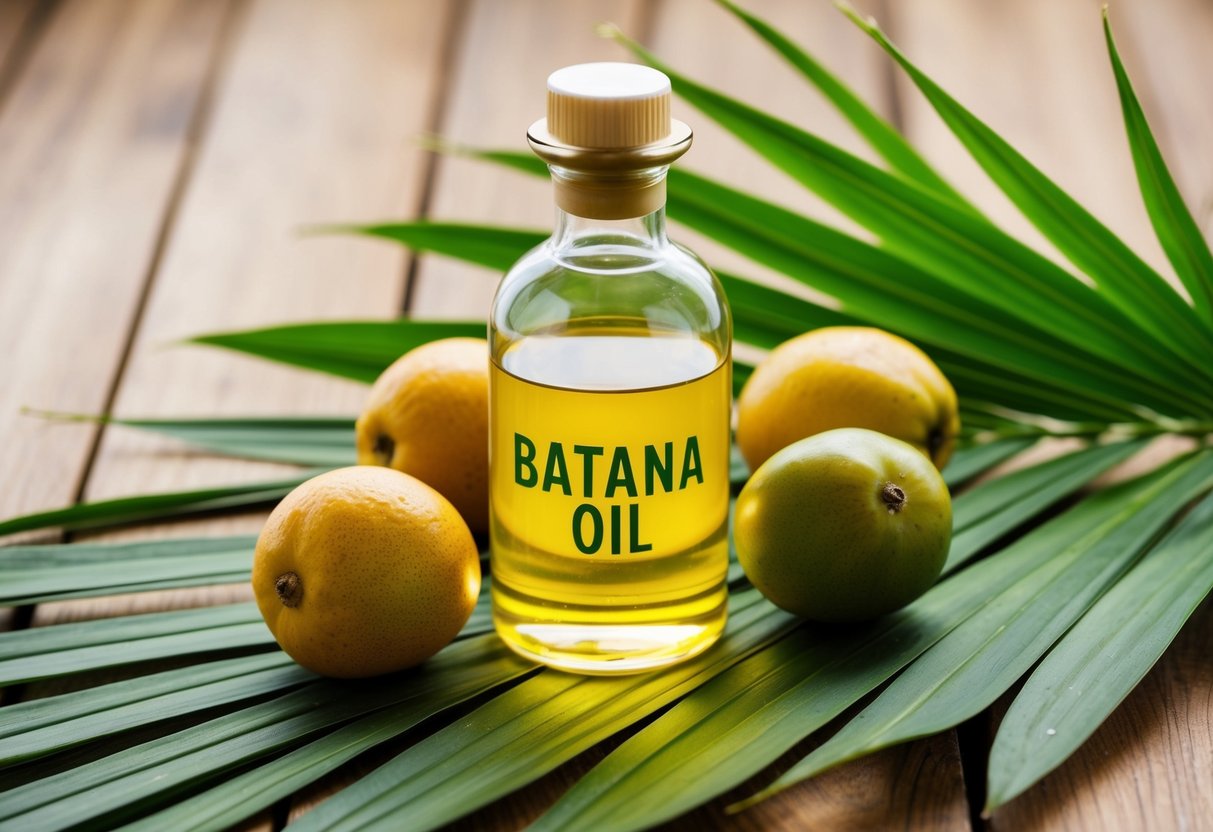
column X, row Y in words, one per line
column 228, row 33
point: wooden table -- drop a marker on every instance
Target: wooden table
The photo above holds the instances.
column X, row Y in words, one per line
column 158, row 157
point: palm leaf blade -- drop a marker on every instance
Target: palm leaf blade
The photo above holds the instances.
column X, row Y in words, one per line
column 44, row 652
column 103, row 568
column 1173, row 223
column 968, row 462
column 979, row 517
column 359, row 350
column 154, row 506
column 312, row 442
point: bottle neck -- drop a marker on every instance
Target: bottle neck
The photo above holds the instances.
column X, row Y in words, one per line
column 611, row 194
column 573, row 232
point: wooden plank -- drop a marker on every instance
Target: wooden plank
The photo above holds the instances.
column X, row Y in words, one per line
column 279, row 154
column 92, row 138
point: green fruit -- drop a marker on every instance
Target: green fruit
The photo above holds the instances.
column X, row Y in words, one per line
column 845, row 525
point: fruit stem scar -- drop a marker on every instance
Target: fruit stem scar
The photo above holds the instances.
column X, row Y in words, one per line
column 385, row 448
column 893, row 497
column 289, row 587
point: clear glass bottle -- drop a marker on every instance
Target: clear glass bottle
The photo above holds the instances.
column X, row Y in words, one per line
column 610, row 399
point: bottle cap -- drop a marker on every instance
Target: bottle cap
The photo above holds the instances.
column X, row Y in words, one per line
column 608, row 136
column 608, row 105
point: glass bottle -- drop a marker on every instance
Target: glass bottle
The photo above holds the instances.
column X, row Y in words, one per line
column 610, row 398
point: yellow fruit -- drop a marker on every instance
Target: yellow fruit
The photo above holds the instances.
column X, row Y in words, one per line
column 846, row 377
column 363, row 570
column 844, row 526
column 428, row 416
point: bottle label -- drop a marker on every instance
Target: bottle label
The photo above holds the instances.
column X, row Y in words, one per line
column 629, row 474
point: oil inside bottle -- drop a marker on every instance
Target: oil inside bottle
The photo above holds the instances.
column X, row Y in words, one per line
column 609, row 496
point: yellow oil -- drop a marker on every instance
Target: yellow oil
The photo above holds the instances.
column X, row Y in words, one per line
column 609, row 497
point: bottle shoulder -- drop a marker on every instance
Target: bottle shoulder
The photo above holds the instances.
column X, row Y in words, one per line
column 666, row 289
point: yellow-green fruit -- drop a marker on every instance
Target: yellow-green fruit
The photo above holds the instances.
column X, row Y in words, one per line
column 844, row 526
column 363, row 571
column 428, row 415
column 846, row 377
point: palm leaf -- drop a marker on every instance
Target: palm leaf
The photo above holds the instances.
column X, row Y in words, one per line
column 44, row 652
column 969, row 462
column 497, row 250
column 312, row 441
column 1173, row 223
column 238, row 797
column 35, row 574
column 359, row 350
column 155, row 506
column 980, row 516
column 1102, row 658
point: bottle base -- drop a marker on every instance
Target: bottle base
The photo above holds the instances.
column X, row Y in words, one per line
column 609, row 650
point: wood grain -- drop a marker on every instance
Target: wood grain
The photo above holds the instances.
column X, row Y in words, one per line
column 92, row 138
